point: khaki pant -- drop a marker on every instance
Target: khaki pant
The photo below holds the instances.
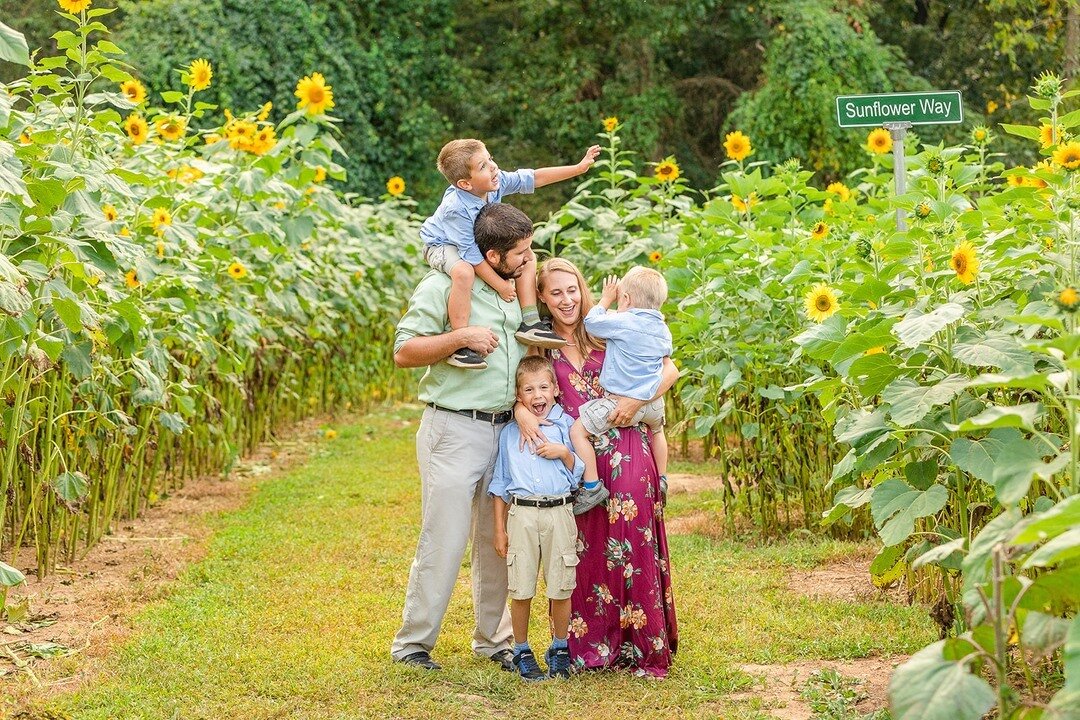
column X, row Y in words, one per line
column 456, row 455
column 541, row 536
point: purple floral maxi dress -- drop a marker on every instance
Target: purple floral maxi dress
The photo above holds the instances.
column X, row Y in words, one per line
column 623, row 614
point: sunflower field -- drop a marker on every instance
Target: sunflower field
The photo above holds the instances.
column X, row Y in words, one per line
column 175, row 284
column 916, row 379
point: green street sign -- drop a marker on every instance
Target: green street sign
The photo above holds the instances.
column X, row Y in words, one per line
column 917, row 108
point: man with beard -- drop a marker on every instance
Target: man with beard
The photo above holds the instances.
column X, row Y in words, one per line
column 457, row 443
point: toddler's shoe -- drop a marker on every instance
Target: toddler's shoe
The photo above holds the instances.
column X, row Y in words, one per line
column 558, row 662
column 539, row 334
column 468, row 359
column 527, row 667
column 587, row 499
column 663, row 490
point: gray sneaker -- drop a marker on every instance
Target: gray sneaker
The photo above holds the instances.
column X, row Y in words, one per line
column 467, row 359
column 539, row 334
column 587, row 499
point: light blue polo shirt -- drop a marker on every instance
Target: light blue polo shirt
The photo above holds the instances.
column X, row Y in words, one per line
column 638, row 340
column 452, row 222
column 522, row 473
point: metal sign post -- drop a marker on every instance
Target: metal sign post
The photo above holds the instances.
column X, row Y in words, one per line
column 896, row 112
column 898, row 130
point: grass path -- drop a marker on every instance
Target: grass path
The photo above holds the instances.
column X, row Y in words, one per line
column 291, row 615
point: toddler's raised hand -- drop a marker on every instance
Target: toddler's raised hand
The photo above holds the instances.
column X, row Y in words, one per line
column 507, row 291
column 611, row 290
column 590, row 156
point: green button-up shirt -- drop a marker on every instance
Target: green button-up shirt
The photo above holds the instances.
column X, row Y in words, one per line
column 491, row 389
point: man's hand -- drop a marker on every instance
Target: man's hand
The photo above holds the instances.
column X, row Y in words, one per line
column 611, row 291
column 590, row 157
column 502, row 543
column 552, row 451
column 625, row 409
column 479, row 338
column 507, row 291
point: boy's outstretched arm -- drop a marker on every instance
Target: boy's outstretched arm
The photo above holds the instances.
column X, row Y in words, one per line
column 547, row 175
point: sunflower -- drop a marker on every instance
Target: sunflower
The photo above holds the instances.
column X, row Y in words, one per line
column 922, row 210
column 330, row 434
column 160, row 249
column 839, row 188
column 1068, row 299
column 131, row 279
column 655, row 256
column 263, row 141
column 237, row 271
column 133, row 90
column 320, row 174
column 980, row 135
column 879, row 141
column 264, row 111
column 880, row 349
column 1015, row 180
column 991, row 106
column 667, row 170
column 199, row 74
column 136, row 128
column 161, row 219
column 1049, row 135
column 744, row 205
column 74, row 6
column 935, row 165
column 1067, row 155
column 611, row 123
column 964, row 262
column 1034, row 180
column 819, row 231
column 314, row 94
column 395, row 186
column 737, row 146
column 171, row 127
column 109, row 212
column 24, row 137
column 125, row 232
column 821, row 302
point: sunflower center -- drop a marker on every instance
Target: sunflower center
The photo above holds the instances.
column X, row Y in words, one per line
column 822, row 303
column 960, row 264
column 316, row 95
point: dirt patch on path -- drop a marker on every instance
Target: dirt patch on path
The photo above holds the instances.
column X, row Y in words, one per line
column 780, row 685
column 847, row 579
column 86, row 609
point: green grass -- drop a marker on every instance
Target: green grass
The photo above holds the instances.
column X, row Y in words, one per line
column 292, row 612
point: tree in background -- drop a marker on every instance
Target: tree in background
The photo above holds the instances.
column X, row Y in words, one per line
column 386, row 62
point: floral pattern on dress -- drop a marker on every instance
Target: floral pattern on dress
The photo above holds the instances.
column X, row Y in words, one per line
column 622, row 612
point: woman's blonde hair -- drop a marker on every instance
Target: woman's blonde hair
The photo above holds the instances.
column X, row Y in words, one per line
column 581, row 337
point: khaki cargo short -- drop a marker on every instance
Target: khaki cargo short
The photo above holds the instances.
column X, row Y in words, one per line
column 442, row 257
column 541, row 535
column 594, row 415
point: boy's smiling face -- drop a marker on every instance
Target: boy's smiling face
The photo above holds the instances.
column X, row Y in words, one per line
column 537, row 391
column 485, row 174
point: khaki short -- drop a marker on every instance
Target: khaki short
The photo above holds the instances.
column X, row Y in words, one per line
column 442, row 257
column 541, row 535
column 594, row 415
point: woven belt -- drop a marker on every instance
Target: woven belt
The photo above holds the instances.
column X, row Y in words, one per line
column 553, row 502
column 481, row 415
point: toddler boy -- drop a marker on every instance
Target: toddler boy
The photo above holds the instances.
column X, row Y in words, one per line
column 450, row 246
column 638, row 340
column 534, row 521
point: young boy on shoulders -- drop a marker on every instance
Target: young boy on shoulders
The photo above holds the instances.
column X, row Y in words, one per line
column 450, row 246
column 534, row 520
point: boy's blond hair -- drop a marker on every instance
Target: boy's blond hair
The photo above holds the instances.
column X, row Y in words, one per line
column 534, row 364
column 454, row 159
column 646, row 287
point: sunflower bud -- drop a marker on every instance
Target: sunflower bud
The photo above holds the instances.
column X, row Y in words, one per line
column 1068, row 299
column 863, row 248
column 1047, row 85
column 935, row 165
column 922, row 211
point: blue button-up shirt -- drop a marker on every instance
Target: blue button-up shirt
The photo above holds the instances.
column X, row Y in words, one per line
column 522, row 473
column 638, row 342
column 452, row 222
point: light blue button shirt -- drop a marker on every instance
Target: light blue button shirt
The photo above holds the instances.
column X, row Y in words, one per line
column 522, row 473
column 452, row 222
column 638, row 340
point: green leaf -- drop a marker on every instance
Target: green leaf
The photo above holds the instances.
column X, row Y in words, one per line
column 1022, row 381
column 172, row 96
column 1025, row 131
column 976, row 567
column 822, row 340
column 917, row 328
column 1049, row 523
column 9, row 576
column 69, row 312
column 1068, row 698
column 854, row 346
column 1069, row 120
column 976, row 457
column 1020, row 462
column 998, row 416
column 871, row 373
column 1044, row 633
column 861, row 427
column 77, row 359
column 995, row 349
column 939, row 552
column 910, row 402
column 72, row 488
column 896, row 505
column 13, row 47
column 846, row 500
column 1062, row 548
column 929, row 687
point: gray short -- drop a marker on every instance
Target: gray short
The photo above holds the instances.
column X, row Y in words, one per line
column 594, row 415
column 442, row 257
